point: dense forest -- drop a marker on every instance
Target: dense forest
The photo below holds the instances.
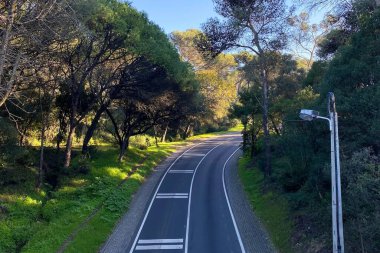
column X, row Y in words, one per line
column 341, row 54
column 86, row 84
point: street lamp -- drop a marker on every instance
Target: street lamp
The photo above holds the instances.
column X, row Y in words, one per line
column 337, row 221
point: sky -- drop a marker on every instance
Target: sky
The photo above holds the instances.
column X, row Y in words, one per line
column 173, row 15
column 179, row 15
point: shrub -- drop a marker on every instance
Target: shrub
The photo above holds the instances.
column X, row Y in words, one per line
column 142, row 141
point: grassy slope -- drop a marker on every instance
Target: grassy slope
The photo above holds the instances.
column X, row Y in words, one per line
column 270, row 207
column 34, row 223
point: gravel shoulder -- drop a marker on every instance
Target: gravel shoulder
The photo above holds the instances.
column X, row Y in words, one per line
column 254, row 236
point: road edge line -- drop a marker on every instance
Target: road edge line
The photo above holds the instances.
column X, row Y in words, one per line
column 228, row 202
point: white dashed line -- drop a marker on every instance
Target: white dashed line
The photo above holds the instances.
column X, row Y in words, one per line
column 157, row 244
column 151, row 202
column 189, row 205
column 181, row 171
column 158, row 247
column 172, row 195
column 160, row 241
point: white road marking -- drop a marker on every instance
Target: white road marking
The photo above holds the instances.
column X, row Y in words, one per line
column 157, row 247
column 151, row 202
column 181, row 171
column 172, row 194
column 189, row 205
column 229, row 206
column 194, row 154
column 172, row 197
column 160, row 241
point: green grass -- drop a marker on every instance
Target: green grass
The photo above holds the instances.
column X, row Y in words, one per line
column 269, row 206
column 41, row 221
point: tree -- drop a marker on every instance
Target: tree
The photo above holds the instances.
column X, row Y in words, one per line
column 217, row 77
column 254, row 25
column 307, row 36
column 184, row 42
column 27, row 30
column 133, row 115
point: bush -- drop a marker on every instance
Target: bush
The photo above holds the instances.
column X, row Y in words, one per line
column 361, row 202
column 142, row 141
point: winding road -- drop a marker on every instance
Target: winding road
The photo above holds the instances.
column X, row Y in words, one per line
column 189, row 209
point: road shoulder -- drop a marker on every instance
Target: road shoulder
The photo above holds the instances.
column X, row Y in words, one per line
column 255, row 237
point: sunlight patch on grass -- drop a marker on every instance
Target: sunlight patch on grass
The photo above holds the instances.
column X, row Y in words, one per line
column 116, row 173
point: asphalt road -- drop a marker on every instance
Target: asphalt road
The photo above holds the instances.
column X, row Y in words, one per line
column 190, row 210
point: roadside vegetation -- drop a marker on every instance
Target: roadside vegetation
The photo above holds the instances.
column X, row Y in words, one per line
column 93, row 95
column 269, row 206
column 89, row 199
column 296, row 166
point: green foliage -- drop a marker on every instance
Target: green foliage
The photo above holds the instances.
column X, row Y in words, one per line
column 361, row 192
column 142, row 141
column 8, row 133
column 301, row 165
column 268, row 205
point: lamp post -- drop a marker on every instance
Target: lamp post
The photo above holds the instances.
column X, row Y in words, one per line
column 337, row 221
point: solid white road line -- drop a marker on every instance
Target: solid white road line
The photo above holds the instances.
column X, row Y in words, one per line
column 189, row 205
column 181, row 171
column 158, row 247
column 229, row 206
column 160, row 241
column 151, row 202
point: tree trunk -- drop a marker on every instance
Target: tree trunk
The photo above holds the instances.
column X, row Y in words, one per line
column 91, row 129
column 274, row 126
column 123, row 148
column 41, row 168
column 59, row 140
column 163, row 139
column 253, row 136
column 268, row 165
column 22, row 137
column 186, row 131
column 69, row 144
column 4, row 85
column 155, row 135
column 244, row 135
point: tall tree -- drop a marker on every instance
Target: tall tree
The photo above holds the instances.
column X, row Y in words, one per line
column 255, row 25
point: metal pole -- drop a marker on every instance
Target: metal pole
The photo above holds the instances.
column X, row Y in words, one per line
column 337, row 221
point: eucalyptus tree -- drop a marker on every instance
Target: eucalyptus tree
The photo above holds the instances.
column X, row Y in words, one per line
column 257, row 26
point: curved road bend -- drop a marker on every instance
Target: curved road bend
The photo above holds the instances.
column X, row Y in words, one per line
column 189, row 211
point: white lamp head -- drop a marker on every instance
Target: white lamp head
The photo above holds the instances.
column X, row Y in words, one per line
column 308, row 115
